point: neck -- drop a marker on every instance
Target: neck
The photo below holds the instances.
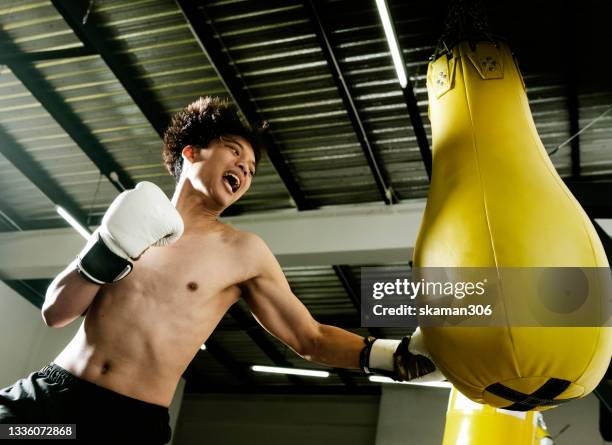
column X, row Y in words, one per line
column 192, row 206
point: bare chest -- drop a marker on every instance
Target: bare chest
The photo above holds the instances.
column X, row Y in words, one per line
column 195, row 271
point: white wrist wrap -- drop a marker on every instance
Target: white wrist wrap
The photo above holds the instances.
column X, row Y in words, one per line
column 381, row 354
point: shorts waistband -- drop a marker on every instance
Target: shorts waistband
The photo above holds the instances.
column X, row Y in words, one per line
column 60, row 375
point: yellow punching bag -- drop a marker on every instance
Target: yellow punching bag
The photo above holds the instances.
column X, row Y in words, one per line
column 469, row 423
column 496, row 201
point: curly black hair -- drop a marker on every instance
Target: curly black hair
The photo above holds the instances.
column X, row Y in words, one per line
column 201, row 122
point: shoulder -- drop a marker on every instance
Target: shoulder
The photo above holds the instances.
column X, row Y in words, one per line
column 244, row 242
column 250, row 250
column 255, row 254
column 248, row 241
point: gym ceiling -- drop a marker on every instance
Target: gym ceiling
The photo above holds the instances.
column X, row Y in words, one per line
column 87, row 88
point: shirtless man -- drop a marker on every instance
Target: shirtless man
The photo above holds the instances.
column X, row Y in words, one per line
column 157, row 277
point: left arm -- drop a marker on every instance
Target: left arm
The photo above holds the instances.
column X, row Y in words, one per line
column 283, row 315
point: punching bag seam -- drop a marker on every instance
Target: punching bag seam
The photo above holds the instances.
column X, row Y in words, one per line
column 464, row 70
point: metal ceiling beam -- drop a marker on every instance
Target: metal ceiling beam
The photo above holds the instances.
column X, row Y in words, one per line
column 10, row 218
column 327, row 237
column 205, row 34
column 93, row 35
column 413, row 111
column 222, row 356
column 382, row 183
column 63, row 114
column 26, row 291
column 54, row 54
column 593, row 196
column 417, row 126
column 197, row 369
column 28, row 167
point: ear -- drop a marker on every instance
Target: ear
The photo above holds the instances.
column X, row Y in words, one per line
column 190, row 153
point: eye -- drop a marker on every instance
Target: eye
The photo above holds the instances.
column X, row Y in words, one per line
column 252, row 173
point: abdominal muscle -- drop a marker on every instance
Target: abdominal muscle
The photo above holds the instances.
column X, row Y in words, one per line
column 140, row 334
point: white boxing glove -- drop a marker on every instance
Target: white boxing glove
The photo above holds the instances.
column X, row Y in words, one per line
column 402, row 360
column 136, row 220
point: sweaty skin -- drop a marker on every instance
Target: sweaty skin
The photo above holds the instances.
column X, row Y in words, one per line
column 140, row 334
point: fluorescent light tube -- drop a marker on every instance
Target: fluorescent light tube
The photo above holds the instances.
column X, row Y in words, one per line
column 291, row 371
column 73, row 222
column 385, row 17
column 382, row 379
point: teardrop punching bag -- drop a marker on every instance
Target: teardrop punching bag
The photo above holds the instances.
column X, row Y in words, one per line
column 496, row 200
column 469, row 423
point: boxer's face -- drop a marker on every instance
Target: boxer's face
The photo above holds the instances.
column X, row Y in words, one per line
column 224, row 170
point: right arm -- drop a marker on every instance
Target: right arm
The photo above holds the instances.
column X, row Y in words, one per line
column 136, row 220
column 68, row 296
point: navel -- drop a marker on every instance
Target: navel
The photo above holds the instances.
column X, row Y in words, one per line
column 105, row 368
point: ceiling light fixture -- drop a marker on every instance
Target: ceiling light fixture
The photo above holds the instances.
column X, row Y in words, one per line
column 85, row 233
column 396, row 55
column 290, row 371
column 381, row 379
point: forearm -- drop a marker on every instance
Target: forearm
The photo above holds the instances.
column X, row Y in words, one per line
column 68, row 296
column 336, row 348
column 403, row 360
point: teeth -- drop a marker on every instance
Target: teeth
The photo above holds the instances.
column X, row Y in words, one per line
column 236, row 185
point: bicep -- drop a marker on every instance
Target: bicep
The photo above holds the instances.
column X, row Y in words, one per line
column 277, row 309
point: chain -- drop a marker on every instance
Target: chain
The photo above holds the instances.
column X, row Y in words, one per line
column 466, row 20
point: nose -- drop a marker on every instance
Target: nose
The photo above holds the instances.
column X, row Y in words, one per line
column 242, row 165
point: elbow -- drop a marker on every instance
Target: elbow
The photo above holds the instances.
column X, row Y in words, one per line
column 50, row 318
column 47, row 311
column 51, row 311
column 47, row 317
column 309, row 345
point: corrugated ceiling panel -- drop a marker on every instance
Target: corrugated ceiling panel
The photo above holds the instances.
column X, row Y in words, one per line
column 31, row 208
column 157, row 39
column 320, row 290
column 548, row 103
column 205, row 369
column 35, row 26
column 107, row 110
column 155, row 36
column 596, row 141
column 248, row 353
column 275, row 50
column 23, row 118
column 364, row 57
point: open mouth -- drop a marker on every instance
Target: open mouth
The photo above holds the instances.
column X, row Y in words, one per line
column 232, row 181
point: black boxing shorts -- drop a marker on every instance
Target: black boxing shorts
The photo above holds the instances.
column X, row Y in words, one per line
column 54, row 396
